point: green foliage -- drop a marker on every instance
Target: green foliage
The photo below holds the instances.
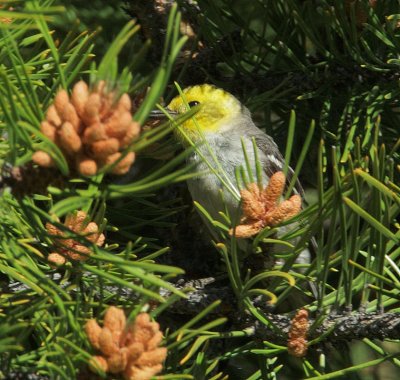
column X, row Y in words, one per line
column 327, row 89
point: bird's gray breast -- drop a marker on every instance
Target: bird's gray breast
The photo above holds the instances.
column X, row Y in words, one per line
column 219, row 159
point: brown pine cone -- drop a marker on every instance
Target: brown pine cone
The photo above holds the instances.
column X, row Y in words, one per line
column 91, row 128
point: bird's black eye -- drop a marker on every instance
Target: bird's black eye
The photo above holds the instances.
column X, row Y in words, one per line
column 194, row 103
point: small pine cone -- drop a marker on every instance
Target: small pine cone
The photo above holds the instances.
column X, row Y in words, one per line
column 64, row 244
column 155, row 341
column 53, row 117
column 274, row 190
column 52, row 230
column 143, row 329
column 79, row 252
column 125, row 102
column 107, row 106
column 72, row 117
column 106, row 342
column 43, row 159
column 284, row 211
column 114, row 319
column 91, row 232
column 118, row 124
column 93, row 331
column 122, row 166
column 151, row 358
column 100, row 240
column 96, row 132
column 134, row 350
column 142, row 320
column 103, row 149
column 68, row 112
column 69, row 138
column 77, row 222
column 87, row 166
column 48, row 130
column 91, row 110
column 132, row 133
column 297, row 337
column 56, row 259
column 247, row 230
column 252, row 206
column 79, row 97
column 117, row 362
column 60, row 102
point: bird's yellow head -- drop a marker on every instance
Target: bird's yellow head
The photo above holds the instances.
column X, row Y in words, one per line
column 217, row 109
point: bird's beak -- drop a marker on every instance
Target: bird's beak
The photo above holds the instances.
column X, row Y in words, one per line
column 158, row 114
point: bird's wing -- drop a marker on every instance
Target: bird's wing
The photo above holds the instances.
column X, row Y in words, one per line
column 274, row 160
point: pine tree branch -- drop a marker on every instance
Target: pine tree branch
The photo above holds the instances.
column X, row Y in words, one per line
column 341, row 327
column 338, row 327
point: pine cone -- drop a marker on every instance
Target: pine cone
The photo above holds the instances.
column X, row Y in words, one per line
column 131, row 349
column 91, row 129
column 68, row 248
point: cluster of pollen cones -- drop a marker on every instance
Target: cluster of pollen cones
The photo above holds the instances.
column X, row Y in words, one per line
column 130, row 349
column 68, row 248
column 262, row 207
column 91, row 128
column 297, row 337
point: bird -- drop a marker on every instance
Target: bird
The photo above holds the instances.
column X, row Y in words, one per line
column 218, row 135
